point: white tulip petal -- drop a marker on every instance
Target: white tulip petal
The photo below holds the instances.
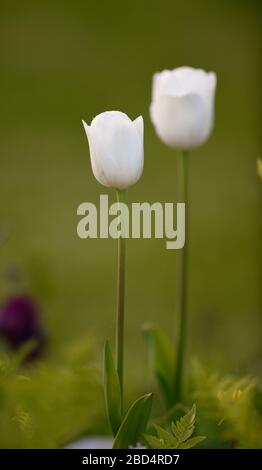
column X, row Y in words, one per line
column 179, row 120
column 182, row 108
column 139, row 124
column 212, row 81
column 86, row 127
column 181, row 81
column 96, row 167
column 116, row 149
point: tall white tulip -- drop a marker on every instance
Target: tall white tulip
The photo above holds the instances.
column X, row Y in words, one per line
column 182, row 108
column 182, row 112
column 117, row 158
column 116, row 149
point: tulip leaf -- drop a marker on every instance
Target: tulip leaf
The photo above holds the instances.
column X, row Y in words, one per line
column 161, row 357
column 134, row 423
column 112, row 390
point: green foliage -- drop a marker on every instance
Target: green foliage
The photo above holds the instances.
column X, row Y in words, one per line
column 112, row 390
column 230, row 408
column 134, row 423
column 48, row 404
column 161, row 356
column 180, row 437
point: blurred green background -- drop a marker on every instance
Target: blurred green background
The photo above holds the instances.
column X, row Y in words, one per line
column 66, row 61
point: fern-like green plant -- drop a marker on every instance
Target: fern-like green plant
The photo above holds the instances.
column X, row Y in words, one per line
column 180, row 435
column 48, row 404
column 229, row 406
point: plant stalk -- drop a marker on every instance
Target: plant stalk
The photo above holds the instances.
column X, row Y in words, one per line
column 181, row 281
column 120, row 302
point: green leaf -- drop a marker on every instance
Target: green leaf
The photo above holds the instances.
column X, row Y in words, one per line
column 112, row 390
column 166, row 436
column 134, row 423
column 184, row 427
column 192, row 442
column 154, row 442
column 161, row 357
column 181, row 430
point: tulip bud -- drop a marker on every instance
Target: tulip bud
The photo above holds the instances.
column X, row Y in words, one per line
column 116, row 149
column 19, row 322
column 182, row 108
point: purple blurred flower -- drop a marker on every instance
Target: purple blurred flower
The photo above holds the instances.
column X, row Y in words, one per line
column 19, row 322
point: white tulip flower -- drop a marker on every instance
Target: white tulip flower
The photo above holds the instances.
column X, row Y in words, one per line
column 116, row 149
column 182, row 108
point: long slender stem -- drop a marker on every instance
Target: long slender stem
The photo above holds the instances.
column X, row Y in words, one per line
column 120, row 303
column 181, row 282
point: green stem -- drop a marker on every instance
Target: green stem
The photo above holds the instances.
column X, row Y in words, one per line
column 120, row 302
column 181, row 282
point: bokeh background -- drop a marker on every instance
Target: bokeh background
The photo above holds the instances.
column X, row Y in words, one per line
column 66, row 61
